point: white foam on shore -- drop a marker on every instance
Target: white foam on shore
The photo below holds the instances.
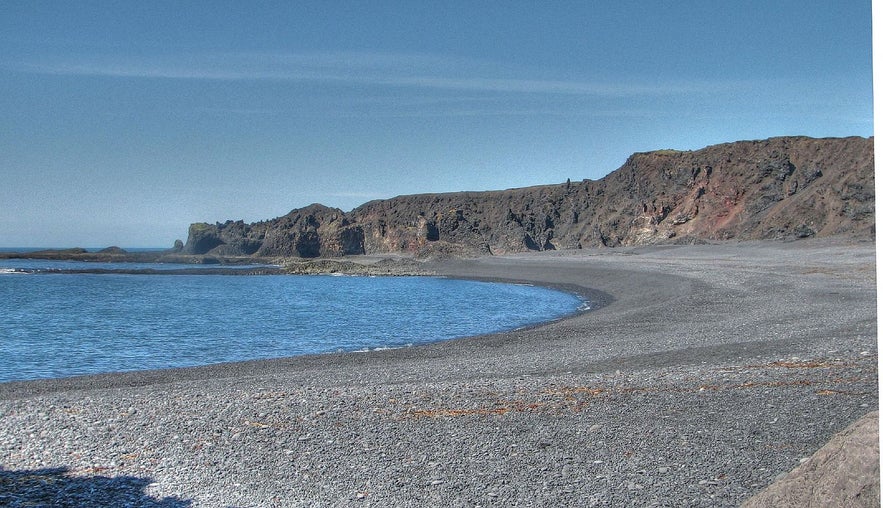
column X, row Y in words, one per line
column 380, row 348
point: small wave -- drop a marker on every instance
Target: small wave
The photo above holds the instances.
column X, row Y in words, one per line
column 387, row 348
column 380, row 348
column 9, row 271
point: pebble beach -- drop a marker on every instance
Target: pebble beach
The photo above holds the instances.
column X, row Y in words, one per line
column 699, row 376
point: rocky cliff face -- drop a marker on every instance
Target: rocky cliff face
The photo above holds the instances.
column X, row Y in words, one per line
column 789, row 187
column 314, row 231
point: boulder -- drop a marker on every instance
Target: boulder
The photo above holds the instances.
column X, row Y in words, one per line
column 843, row 473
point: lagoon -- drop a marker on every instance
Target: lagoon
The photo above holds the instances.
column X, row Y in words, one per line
column 58, row 325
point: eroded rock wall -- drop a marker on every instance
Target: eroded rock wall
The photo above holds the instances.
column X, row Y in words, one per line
column 789, row 187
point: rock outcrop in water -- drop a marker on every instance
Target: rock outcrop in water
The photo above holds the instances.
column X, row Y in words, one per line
column 314, row 231
column 779, row 188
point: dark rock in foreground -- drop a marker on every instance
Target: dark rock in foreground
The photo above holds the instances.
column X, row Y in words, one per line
column 844, row 472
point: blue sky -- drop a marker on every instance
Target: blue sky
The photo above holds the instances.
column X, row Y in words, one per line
column 123, row 122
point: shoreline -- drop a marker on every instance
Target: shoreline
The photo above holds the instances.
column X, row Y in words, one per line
column 594, row 298
column 123, row 377
column 708, row 371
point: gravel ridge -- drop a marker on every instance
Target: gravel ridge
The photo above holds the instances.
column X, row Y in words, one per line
column 701, row 375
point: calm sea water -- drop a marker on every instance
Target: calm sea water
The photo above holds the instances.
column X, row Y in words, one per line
column 58, row 325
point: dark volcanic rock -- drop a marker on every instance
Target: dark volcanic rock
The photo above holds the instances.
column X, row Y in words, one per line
column 779, row 188
column 314, row 231
column 113, row 250
column 227, row 239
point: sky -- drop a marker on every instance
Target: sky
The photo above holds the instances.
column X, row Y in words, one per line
column 122, row 122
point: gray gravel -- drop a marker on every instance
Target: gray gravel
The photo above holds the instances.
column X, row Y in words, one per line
column 702, row 374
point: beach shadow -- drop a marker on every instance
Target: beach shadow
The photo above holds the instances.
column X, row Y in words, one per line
column 56, row 488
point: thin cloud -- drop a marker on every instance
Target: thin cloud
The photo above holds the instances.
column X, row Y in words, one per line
column 360, row 195
column 503, row 112
column 365, row 69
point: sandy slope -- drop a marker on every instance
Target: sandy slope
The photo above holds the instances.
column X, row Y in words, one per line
column 702, row 374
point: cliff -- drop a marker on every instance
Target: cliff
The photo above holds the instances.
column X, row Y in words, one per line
column 779, row 188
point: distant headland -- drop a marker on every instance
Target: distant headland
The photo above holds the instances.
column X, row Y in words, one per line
column 778, row 188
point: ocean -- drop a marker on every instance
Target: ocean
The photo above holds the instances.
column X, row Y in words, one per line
column 57, row 325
